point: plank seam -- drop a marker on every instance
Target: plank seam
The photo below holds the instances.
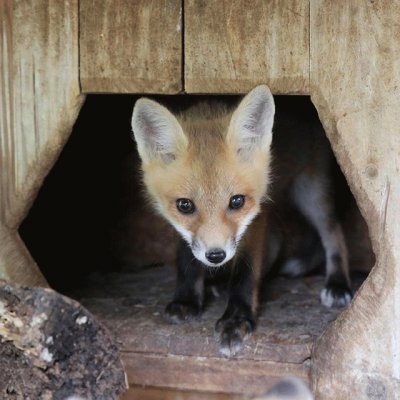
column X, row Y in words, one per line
column 183, row 46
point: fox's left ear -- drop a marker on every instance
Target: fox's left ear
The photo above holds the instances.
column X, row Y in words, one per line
column 251, row 124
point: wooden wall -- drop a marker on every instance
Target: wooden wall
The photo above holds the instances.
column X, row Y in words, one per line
column 231, row 46
column 40, row 99
column 131, row 46
column 355, row 85
column 196, row 46
column 344, row 54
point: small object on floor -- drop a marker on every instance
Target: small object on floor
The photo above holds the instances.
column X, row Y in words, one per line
column 288, row 389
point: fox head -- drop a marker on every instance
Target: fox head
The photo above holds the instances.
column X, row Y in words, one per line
column 206, row 171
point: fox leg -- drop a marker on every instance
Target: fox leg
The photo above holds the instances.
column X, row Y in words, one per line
column 188, row 298
column 238, row 320
column 310, row 195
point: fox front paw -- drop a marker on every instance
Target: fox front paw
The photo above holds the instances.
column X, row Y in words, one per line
column 336, row 296
column 232, row 333
column 178, row 313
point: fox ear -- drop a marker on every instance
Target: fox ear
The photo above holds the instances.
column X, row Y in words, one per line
column 251, row 123
column 157, row 132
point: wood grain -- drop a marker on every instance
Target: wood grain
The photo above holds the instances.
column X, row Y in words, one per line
column 231, row 46
column 40, row 100
column 186, row 357
column 137, row 392
column 208, row 374
column 131, row 46
column 355, row 85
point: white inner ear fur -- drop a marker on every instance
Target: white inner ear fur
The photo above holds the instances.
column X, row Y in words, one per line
column 251, row 124
column 157, row 132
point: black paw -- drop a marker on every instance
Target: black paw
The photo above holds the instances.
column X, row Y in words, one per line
column 178, row 313
column 232, row 332
column 335, row 295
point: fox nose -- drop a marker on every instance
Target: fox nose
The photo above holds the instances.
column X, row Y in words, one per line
column 216, row 255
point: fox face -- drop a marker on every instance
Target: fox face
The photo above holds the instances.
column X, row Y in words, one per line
column 206, row 171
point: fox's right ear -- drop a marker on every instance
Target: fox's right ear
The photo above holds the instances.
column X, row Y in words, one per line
column 157, row 132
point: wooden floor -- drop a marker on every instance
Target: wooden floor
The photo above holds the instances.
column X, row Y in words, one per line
column 151, row 393
column 186, row 357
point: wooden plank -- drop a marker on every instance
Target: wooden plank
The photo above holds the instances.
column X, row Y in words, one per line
column 136, row 392
column 16, row 263
column 208, row 374
column 130, row 46
column 231, row 46
column 186, row 357
column 355, row 81
column 40, row 100
column 286, row 329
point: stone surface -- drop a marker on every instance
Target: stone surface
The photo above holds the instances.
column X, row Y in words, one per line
column 52, row 348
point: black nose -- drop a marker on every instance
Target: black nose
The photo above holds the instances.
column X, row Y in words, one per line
column 216, row 256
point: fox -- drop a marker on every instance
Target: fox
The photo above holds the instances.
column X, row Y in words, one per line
column 217, row 174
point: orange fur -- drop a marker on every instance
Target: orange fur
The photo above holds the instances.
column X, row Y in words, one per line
column 210, row 155
column 209, row 173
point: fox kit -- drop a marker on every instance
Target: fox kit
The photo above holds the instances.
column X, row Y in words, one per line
column 217, row 177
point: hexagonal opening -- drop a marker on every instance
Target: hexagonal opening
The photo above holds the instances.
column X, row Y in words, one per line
column 96, row 239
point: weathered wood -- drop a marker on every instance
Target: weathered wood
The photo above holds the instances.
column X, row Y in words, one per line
column 150, row 393
column 16, row 263
column 231, row 46
column 131, row 46
column 355, row 85
column 40, row 100
column 131, row 304
column 292, row 387
column 52, row 348
column 208, row 374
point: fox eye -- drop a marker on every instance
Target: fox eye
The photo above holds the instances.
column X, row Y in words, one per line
column 185, row 206
column 236, row 202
